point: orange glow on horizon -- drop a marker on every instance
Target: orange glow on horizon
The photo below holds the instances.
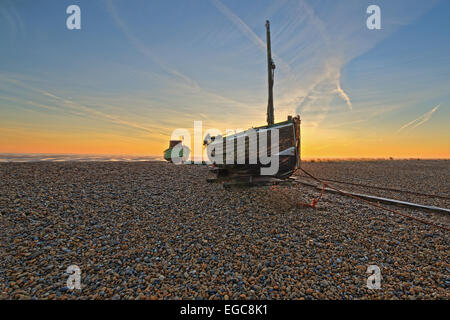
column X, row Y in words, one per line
column 315, row 144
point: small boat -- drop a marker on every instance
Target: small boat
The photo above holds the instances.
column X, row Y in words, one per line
column 183, row 152
column 288, row 150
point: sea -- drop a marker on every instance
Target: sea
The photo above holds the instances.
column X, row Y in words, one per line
column 35, row 157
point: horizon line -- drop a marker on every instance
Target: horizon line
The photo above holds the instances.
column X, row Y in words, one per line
column 160, row 156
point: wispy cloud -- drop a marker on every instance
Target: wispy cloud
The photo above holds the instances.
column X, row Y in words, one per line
column 328, row 81
column 247, row 31
column 79, row 109
column 419, row 121
column 141, row 47
column 206, row 60
column 179, row 85
column 315, row 99
column 239, row 23
column 11, row 17
column 319, row 49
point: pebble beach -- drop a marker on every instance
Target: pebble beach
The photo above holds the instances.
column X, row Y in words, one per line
column 154, row 230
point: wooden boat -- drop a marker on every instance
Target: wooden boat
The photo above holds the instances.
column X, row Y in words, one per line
column 288, row 148
column 288, row 152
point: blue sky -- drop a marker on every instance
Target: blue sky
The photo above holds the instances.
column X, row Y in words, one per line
column 139, row 69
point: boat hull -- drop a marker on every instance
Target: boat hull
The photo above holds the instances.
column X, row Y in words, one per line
column 181, row 153
column 228, row 159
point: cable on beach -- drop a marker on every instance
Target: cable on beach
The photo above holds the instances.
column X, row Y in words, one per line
column 374, row 204
column 387, row 189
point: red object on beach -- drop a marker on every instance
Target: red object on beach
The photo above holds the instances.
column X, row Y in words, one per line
column 314, row 201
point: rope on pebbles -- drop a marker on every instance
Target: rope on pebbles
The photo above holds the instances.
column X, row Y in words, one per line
column 351, row 195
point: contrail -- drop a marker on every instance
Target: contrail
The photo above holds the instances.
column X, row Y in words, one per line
column 318, row 23
column 343, row 94
column 143, row 48
column 420, row 120
column 247, row 31
column 239, row 23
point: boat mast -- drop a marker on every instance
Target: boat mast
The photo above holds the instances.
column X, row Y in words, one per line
column 270, row 71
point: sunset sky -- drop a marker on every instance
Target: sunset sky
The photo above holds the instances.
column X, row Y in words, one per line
column 137, row 70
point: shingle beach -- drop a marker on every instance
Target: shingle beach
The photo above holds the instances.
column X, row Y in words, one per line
column 154, row 230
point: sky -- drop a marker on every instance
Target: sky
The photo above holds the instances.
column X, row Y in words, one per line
column 138, row 70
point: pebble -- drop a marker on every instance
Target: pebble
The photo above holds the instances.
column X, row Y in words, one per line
column 151, row 230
